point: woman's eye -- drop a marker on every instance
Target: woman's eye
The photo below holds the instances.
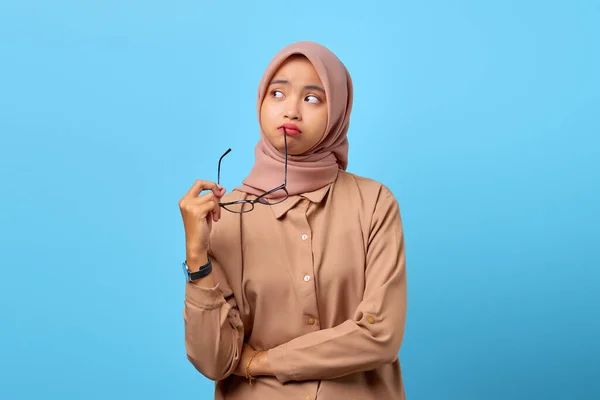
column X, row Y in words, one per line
column 313, row 99
column 277, row 94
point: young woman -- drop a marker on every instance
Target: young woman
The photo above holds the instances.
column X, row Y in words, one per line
column 296, row 282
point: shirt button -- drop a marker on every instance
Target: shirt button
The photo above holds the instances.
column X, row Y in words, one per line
column 306, row 278
column 311, row 321
column 309, row 397
column 371, row 320
column 304, row 237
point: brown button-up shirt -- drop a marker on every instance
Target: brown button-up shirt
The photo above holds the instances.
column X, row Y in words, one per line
column 319, row 281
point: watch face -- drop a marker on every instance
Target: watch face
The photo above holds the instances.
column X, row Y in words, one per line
column 186, row 272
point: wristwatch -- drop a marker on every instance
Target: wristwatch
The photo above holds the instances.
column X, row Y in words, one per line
column 192, row 276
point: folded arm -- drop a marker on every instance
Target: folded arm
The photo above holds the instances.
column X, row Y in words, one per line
column 374, row 335
column 214, row 331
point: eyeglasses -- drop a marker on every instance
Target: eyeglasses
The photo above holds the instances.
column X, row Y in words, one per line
column 244, row 206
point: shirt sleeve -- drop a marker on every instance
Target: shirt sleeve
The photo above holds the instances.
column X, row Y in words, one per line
column 214, row 331
column 374, row 335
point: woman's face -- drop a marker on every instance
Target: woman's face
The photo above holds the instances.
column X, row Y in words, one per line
column 295, row 100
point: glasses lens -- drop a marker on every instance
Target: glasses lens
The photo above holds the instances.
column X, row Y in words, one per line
column 239, row 208
column 275, row 197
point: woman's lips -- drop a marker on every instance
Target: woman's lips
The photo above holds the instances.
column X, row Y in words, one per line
column 290, row 129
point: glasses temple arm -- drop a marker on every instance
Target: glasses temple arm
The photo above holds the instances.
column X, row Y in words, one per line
column 219, row 166
column 285, row 162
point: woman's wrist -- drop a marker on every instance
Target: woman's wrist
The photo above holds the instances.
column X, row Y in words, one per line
column 195, row 259
column 260, row 364
column 253, row 364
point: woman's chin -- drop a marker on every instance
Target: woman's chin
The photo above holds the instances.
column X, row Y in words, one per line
column 294, row 145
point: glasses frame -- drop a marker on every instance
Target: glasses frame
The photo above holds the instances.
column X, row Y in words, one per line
column 262, row 198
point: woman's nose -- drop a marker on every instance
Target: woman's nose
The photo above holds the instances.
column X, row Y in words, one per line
column 292, row 112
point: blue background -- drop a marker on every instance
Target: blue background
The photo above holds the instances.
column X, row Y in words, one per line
column 481, row 116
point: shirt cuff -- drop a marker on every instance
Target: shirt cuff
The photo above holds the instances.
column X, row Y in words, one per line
column 205, row 298
column 276, row 357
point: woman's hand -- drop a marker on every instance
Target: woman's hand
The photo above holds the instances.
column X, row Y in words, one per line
column 198, row 213
column 258, row 366
column 247, row 352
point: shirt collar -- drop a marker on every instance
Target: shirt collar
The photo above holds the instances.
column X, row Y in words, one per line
column 316, row 196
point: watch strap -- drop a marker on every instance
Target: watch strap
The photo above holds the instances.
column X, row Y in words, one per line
column 204, row 270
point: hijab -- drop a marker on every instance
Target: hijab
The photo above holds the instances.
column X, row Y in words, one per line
column 318, row 166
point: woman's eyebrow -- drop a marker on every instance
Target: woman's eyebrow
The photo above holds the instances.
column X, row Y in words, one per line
column 286, row 82
column 315, row 87
column 279, row 81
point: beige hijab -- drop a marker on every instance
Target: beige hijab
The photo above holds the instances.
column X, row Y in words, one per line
column 320, row 165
